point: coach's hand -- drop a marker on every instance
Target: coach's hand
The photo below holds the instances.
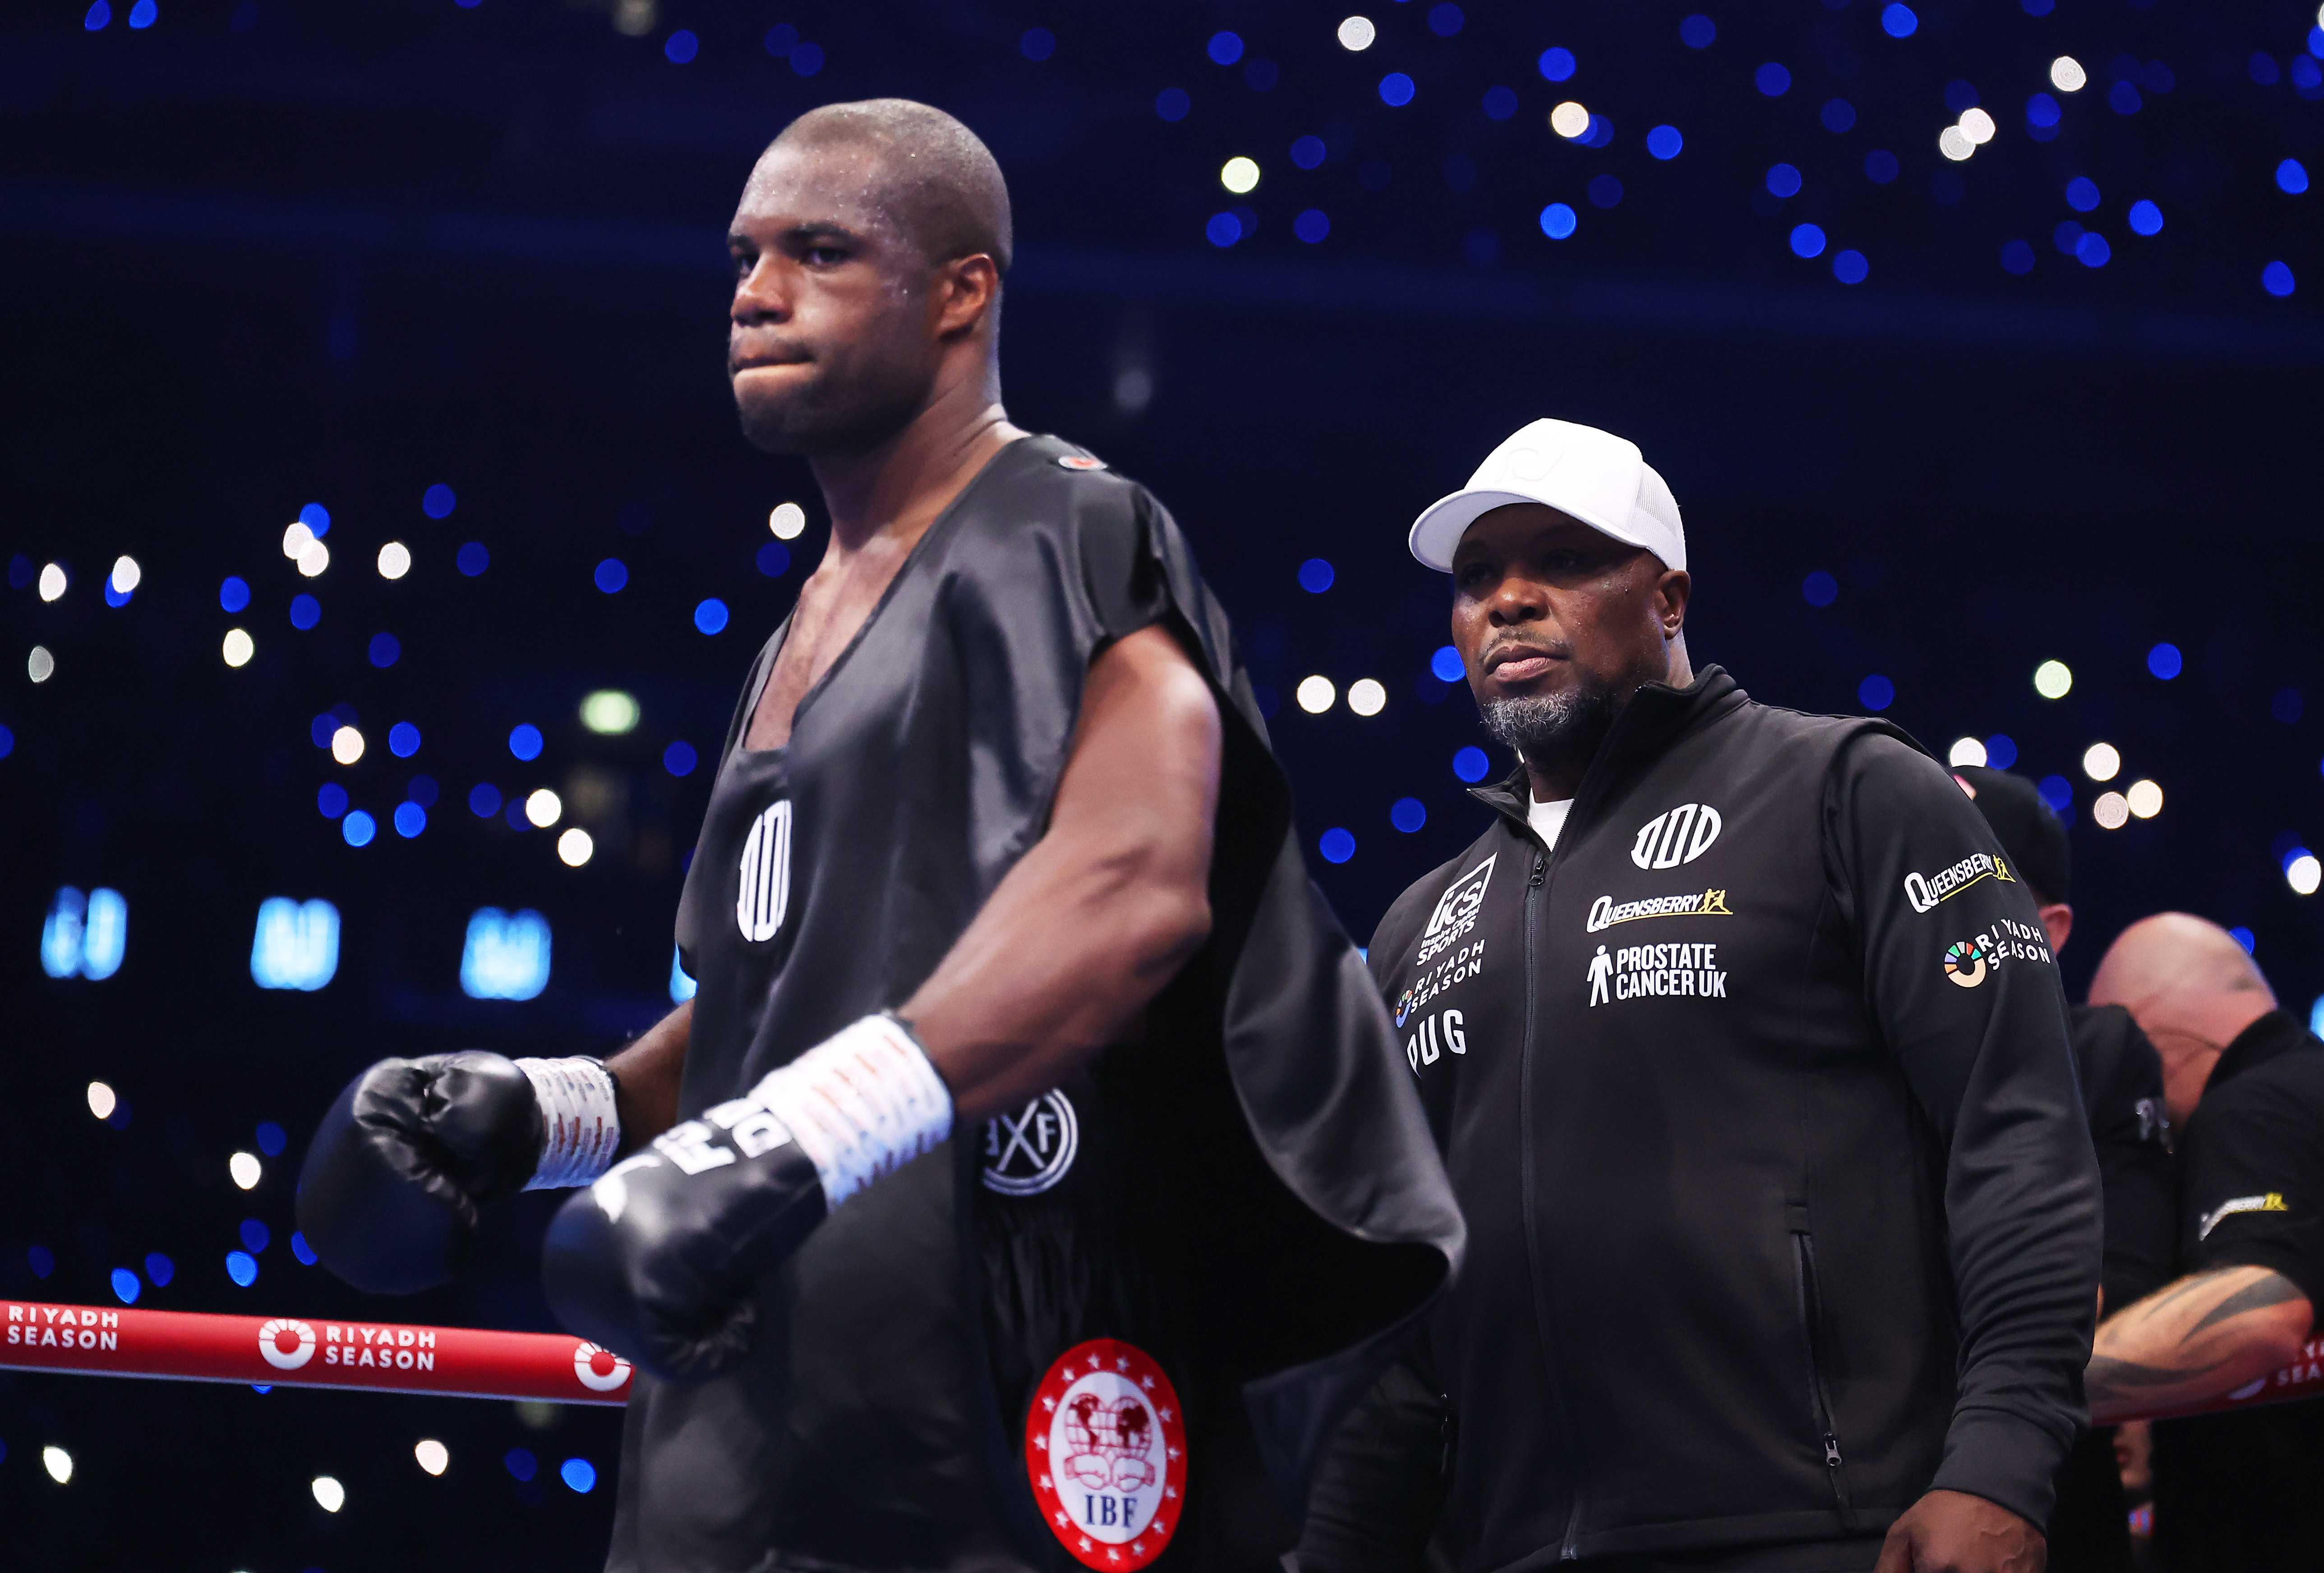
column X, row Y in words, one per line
column 409, row 1152
column 1952, row 1532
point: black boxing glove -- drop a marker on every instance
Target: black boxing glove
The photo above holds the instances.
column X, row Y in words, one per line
column 412, row 1148
column 659, row 1260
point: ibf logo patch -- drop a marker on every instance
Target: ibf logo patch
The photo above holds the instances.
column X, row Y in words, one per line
column 1456, row 909
column 1105, row 1449
column 1678, row 836
column 763, row 886
column 1029, row 1151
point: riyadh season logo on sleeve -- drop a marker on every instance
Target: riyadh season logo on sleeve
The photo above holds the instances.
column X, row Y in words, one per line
column 1966, row 962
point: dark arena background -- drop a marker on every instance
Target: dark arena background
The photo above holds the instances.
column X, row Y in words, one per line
column 382, row 556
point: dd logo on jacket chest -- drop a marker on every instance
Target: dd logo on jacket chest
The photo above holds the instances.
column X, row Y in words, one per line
column 1679, row 836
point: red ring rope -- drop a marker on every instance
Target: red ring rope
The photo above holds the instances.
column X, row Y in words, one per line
column 475, row 1363
column 309, row 1352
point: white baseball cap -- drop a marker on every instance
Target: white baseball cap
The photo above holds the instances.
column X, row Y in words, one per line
column 1587, row 474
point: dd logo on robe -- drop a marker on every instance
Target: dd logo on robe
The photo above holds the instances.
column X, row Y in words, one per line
column 1029, row 1151
column 763, row 886
column 1105, row 1447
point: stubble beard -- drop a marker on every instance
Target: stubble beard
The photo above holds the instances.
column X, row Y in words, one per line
column 1547, row 728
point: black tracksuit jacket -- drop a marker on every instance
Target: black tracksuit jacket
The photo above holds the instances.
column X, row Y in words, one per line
column 1757, row 1098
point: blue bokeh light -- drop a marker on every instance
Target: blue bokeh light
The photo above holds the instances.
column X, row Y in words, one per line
column 410, row 819
column 142, row 14
column 242, row 1267
column 1447, row 665
column 1783, row 179
column 805, row 59
column 472, row 559
column 579, row 1473
column 357, row 828
column 2092, row 250
column 2016, row 257
column 7, row 743
column 1224, row 48
column 2145, row 217
column 40, row 1260
column 1820, row 589
column 421, row 789
column 331, row 799
column 1395, row 90
column 159, row 1269
column 1311, row 225
column 1881, row 166
column 2276, row 278
column 1664, row 142
column 2244, row 937
column 1037, row 43
column 2001, row 750
column 1407, row 815
column 1851, row 268
column 1223, row 230
column 774, row 559
column 2082, row 194
column 303, row 1250
column 98, row 17
column 1555, row 63
column 1499, row 104
column 1807, row 241
column 610, row 577
column 1557, row 221
column 710, row 615
column 403, row 740
column 2292, row 175
column 2057, row 792
column 1315, row 575
column 125, row 1286
column 1336, row 844
column 439, row 500
column 484, row 800
column 521, row 1463
column 1876, row 692
column 1444, row 19
column 255, row 1236
column 1172, row 103
column 1837, row 115
column 1897, row 21
column 385, row 650
column 1470, row 764
column 1773, row 79
column 2166, row 662
column 524, row 741
column 679, row 759
column 306, row 612
column 1698, row 32
column 2042, row 112
column 271, row 1138
column 1309, row 151
column 233, row 593
column 317, row 518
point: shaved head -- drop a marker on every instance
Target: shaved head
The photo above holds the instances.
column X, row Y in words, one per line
column 2192, row 987
column 930, row 175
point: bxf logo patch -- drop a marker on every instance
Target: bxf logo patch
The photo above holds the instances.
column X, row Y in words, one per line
column 1029, row 1151
column 763, row 884
column 1679, row 836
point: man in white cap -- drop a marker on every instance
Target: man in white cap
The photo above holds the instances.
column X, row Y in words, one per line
column 1749, row 1061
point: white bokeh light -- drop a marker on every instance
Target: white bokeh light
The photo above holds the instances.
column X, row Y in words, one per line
column 2101, row 761
column 237, row 647
column 2112, row 811
column 329, row 1494
column 313, row 558
column 53, row 581
column 58, row 1463
column 1239, row 175
column 296, row 539
column 2067, row 75
column 1978, row 126
column 1366, row 697
column 433, row 1456
column 544, row 808
column 575, row 847
column 2304, row 874
column 2144, row 797
column 2053, row 679
column 244, row 1170
column 1316, row 694
column 125, row 574
column 346, row 745
column 1569, row 120
column 394, row 560
column 1356, row 35
column 39, row 666
column 788, row 520
column 1955, row 143
column 1966, row 750
column 101, row 1100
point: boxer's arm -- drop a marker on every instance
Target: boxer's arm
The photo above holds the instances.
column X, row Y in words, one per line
column 646, row 1076
column 1100, row 914
column 2198, row 1339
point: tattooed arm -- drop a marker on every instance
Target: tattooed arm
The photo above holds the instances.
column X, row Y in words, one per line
column 2198, row 1339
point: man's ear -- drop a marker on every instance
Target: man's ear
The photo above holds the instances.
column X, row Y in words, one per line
column 968, row 289
column 1671, row 593
column 2057, row 923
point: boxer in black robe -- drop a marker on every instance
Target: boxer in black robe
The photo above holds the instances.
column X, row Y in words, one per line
column 1004, row 941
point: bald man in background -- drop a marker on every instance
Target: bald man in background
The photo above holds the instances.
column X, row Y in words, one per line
column 2245, row 1081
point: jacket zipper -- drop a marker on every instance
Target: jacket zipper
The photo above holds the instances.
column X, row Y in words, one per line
column 1811, row 1301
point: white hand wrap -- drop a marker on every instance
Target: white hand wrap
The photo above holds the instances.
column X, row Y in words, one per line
column 861, row 1103
column 582, row 1127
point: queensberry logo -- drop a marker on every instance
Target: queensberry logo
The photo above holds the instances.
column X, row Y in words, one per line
column 1605, row 913
column 1456, row 909
column 1924, row 891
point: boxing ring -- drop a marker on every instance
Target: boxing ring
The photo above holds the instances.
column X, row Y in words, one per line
column 440, row 1362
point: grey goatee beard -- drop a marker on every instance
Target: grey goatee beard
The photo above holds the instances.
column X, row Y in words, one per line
column 1543, row 726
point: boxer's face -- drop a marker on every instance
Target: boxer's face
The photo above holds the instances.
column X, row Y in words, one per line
column 1545, row 607
column 831, row 342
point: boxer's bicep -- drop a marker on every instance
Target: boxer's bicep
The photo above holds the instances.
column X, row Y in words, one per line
column 1097, row 918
